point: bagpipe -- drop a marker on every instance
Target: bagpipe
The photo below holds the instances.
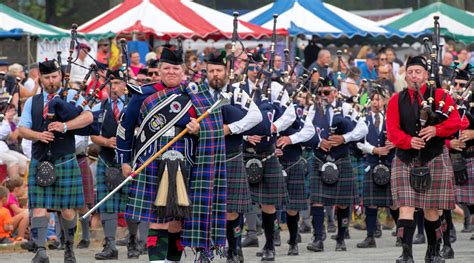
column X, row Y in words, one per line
column 5, row 101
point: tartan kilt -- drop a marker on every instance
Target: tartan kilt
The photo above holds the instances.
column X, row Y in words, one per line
column 238, row 193
column 441, row 194
column 118, row 201
column 272, row 189
column 142, row 194
column 295, row 183
column 358, row 166
column 343, row 192
column 87, row 180
column 465, row 193
column 375, row 195
column 65, row 193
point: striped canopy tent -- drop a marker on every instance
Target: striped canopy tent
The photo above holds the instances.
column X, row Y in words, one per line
column 15, row 33
column 171, row 19
column 313, row 17
column 455, row 23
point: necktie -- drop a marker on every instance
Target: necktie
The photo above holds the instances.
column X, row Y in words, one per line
column 377, row 122
column 46, row 108
column 328, row 113
column 216, row 94
column 116, row 110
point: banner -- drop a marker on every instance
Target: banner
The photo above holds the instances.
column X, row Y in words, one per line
column 48, row 49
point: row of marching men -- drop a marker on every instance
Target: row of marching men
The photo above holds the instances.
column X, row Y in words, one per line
column 264, row 132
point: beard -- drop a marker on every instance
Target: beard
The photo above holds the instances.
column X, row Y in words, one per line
column 217, row 83
column 52, row 88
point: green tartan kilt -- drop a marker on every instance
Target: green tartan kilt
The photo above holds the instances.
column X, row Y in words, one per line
column 238, row 193
column 343, row 192
column 376, row 195
column 295, row 182
column 118, row 201
column 65, row 193
column 272, row 189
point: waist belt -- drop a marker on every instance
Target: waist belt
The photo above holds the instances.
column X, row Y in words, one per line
column 264, row 152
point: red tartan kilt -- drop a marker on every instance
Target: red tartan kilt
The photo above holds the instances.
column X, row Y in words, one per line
column 441, row 194
column 87, row 181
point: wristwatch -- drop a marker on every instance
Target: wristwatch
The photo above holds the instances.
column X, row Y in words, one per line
column 64, row 127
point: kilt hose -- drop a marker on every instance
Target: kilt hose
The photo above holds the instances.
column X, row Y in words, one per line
column 343, row 192
column 295, row 183
column 65, row 193
column 118, row 201
column 271, row 190
column 376, row 195
column 465, row 192
column 238, row 193
column 439, row 196
column 87, row 180
column 358, row 166
column 142, row 194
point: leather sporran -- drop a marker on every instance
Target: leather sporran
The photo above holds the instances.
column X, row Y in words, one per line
column 113, row 177
column 329, row 173
column 459, row 168
column 420, row 178
column 45, row 174
column 254, row 170
column 381, row 175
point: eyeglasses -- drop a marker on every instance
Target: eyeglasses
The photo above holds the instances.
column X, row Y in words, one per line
column 325, row 92
column 151, row 73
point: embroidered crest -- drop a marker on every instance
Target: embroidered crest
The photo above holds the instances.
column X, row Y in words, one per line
column 157, row 122
column 193, row 87
column 175, row 107
column 299, row 112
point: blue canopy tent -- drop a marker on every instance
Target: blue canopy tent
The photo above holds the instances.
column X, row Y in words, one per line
column 15, row 33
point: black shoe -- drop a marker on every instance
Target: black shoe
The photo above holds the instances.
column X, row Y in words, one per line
column 331, row 227
column 398, row 243
column 29, row 245
column 316, row 246
column 69, row 256
column 378, row 232
column 83, row 244
column 240, row 255
column 407, row 255
column 304, row 228
column 133, row 248
column 40, row 256
column 368, row 242
column 277, row 239
column 250, row 242
column 293, row 250
column 432, row 255
column 232, row 257
column 419, row 239
column 447, row 252
column 466, row 229
column 341, row 245
column 268, row 254
column 107, row 253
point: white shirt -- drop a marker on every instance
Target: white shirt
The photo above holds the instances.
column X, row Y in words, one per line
column 366, row 147
column 359, row 131
column 5, row 130
column 250, row 120
column 29, row 84
column 289, row 116
column 81, row 144
column 307, row 132
column 77, row 72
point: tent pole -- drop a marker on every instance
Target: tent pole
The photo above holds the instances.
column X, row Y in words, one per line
column 28, row 51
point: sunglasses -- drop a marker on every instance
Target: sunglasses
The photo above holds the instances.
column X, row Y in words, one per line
column 461, row 85
column 325, row 92
column 252, row 68
column 150, row 74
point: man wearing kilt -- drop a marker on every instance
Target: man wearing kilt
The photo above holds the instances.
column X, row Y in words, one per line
column 184, row 189
column 462, row 153
column 53, row 142
column 269, row 192
column 376, row 188
column 421, row 151
column 294, row 166
column 241, row 115
column 110, row 110
column 332, row 181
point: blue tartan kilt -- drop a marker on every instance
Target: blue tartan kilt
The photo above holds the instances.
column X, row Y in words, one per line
column 143, row 191
column 272, row 189
column 343, row 192
column 376, row 195
column 65, row 193
column 358, row 165
column 118, row 201
column 238, row 193
column 295, row 182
